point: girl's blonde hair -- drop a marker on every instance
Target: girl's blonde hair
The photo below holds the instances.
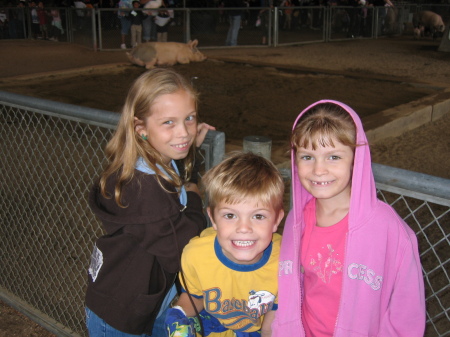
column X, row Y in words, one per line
column 321, row 124
column 126, row 145
column 241, row 176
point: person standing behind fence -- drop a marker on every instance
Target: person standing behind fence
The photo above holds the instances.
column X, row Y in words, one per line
column 56, row 28
column 81, row 13
column 136, row 17
column 349, row 264
column 234, row 17
column 287, row 13
column 21, row 19
column 43, row 20
column 125, row 23
column 149, row 211
column 381, row 6
column 264, row 19
column 149, row 25
column 162, row 21
column 34, row 20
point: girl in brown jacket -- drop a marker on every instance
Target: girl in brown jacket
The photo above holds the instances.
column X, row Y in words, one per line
column 149, row 211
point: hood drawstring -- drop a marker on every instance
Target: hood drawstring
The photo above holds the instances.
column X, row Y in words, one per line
column 177, row 247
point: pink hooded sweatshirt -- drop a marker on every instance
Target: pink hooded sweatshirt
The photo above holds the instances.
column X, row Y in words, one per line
column 382, row 286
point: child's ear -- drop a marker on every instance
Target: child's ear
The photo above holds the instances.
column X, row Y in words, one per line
column 279, row 218
column 139, row 126
column 211, row 217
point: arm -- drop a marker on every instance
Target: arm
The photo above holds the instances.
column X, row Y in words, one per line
column 192, row 187
column 406, row 314
column 266, row 328
column 186, row 304
column 177, row 320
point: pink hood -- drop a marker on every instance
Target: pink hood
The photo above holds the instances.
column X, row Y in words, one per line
column 382, row 291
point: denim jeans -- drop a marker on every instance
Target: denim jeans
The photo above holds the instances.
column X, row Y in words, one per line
column 233, row 31
column 148, row 29
column 97, row 327
column 125, row 25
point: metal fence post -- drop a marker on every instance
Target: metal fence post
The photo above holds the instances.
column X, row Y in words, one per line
column 187, row 29
column 98, row 14
column 276, row 19
column 94, row 30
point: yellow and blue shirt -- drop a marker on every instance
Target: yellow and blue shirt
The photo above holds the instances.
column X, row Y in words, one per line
column 235, row 294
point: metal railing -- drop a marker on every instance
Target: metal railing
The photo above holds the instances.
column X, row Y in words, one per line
column 100, row 28
column 50, row 155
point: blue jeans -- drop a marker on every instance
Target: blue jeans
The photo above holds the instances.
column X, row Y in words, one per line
column 97, row 327
column 233, row 31
column 125, row 25
column 148, row 29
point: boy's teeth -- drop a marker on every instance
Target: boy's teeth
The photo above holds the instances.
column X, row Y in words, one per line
column 243, row 243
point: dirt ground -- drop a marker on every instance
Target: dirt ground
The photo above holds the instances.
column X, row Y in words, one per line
column 247, row 91
column 15, row 324
column 260, row 91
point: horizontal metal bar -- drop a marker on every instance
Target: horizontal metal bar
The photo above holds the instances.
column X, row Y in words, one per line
column 413, row 184
column 73, row 112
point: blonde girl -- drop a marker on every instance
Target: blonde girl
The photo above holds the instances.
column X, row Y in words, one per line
column 148, row 210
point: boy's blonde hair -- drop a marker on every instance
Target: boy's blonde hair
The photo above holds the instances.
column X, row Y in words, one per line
column 321, row 124
column 127, row 145
column 241, row 176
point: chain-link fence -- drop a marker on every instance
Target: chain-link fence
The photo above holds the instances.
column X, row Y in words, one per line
column 100, row 28
column 50, row 155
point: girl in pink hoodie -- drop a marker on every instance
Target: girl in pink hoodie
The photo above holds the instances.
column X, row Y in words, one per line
column 349, row 265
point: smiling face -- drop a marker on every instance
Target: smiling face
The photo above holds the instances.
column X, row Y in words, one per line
column 171, row 127
column 326, row 172
column 244, row 229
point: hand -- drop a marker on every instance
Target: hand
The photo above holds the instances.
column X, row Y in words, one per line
column 202, row 130
column 177, row 324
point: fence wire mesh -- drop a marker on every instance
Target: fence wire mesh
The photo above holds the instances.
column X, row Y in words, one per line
column 47, row 231
column 431, row 223
column 48, row 165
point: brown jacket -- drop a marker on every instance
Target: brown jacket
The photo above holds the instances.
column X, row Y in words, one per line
column 137, row 260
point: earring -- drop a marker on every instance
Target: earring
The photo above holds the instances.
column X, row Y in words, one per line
column 144, row 137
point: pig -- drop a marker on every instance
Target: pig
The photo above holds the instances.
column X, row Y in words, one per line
column 151, row 54
column 431, row 21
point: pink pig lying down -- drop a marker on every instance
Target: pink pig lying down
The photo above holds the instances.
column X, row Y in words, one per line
column 151, row 54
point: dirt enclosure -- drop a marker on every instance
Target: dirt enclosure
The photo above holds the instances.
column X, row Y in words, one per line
column 245, row 98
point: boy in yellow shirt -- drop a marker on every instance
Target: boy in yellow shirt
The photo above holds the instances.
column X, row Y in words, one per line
column 229, row 272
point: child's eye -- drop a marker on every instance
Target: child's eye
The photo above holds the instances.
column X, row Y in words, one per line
column 305, row 157
column 229, row 216
column 335, row 157
column 259, row 217
column 191, row 118
column 168, row 122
